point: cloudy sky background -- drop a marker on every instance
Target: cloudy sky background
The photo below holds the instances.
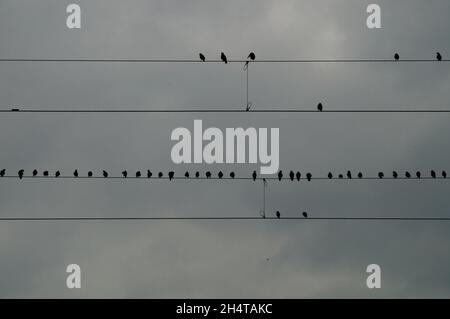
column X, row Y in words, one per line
column 224, row 259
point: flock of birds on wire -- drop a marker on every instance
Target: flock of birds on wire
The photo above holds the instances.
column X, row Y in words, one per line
column 292, row 175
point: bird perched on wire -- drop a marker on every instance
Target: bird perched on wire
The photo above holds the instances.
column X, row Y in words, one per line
column 340, row 176
column 380, row 175
column 309, row 177
column 197, row 174
column 418, row 174
column 396, row 56
column 330, row 176
column 2, row 172
column 444, row 174
column 35, row 172
column 291, row 175
column 202, row 57
column 320, row 107
column 278, row 214
column 298, row 175
column 407, row 175
column 438, row 56
column 45, row 173
column 171, row 174
column 149, row 174
column 232, row 175
column 125, row 174
column 138, row 174
column 57, row 174
column 254, row 175
column 280, row 175
column 75, row 173
column 349, row 175
column 220, row 174
column 433, row 174
column 394, row 174
column 305, row 214
column 252, row 57
column 105, row 174
column 360, row 175
column 20, row 173
column 208, row 174
column 186, row 174
column 248, row 107
column 160, row 175
column 90, row 174
column 223, row 57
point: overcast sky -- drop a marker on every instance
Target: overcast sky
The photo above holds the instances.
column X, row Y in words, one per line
column 215, row 259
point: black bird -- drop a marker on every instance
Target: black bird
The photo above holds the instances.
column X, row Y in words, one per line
column 35, row 172
column 186, row 175
column 138, row 174
column 280, row 175
column 248, row 107
column 360, row 175
column 45, row 173
column 380, row 174
column 418, row 174
column 105, row 174
column 57, row 174
column 254, row 175
column 15, row 110
column 224, row 57
column 291, row 175
column 149, row 174
column 75, row 173
column 341, row 176
column 298, row 175
column 320, row 107
column 125, row 174
column 220, row 174
column 433, row 174
column 330, row 176
column 208, row 174
column 308, row 177
column 305, row 214
column 438, row 56
column 444, row 174
column 202, row 57
column 394, row 174
column 396, row 56
column 197, row 174
column 171, row 174
column 2, row 172
column 349, row 174
column 278, row 214
column 21, row 173
column 232, row 175
column 160, row 175
column 408, row 175
column 90, row 174
column 251, row 56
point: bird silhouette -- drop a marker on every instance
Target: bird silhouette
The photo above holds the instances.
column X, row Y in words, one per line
column 251, row 56
column 220, row 174
column 20, row 173
column 202, row 57
column 197, row 174
column 298, row 175
column 444, row 174
column 232, row 175
column 160, row 175
column 105, row 174
column 308, row 177
column 418, row 175
column 433, row 174
column 408, row 175
column 254, row 175
column 57, row 174
column 138, row 174
column 2, row 172
column 90, row 174
column 291, row 175
column 305, row 214
column 186, row 174
column 125, row 174
column 171, row 174
column 380, row 174
column 35, row 172
column 394, row 174
column 396, row 56
column 320, row 107
column 349, row 174
column 330, row 176
column 45, row 173
column 149, row 174
column 278, row 214
column 280, row 175
column 75, row 173
column 438, row 56
column 223, row 57
column 360, row 175
column 248, row 107
column 208, row 174
column 341, row 176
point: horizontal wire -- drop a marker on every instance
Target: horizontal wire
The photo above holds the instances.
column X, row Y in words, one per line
column 224, row 218
column 229, row 61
